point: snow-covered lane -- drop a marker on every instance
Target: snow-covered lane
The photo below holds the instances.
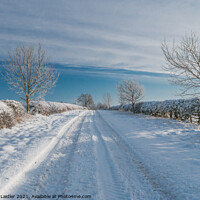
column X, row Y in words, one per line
column 80, row 164
column 104, row 154
column 110, row 182
column 165, row 153
column 54, row 175
column 135, row 183
column 32, row 141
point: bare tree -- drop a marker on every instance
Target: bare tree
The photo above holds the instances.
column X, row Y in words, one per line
column 130, row 91
column 29, row 74
column 85, row 100
column 107, row 100
column 183, row 63
column 101, row 106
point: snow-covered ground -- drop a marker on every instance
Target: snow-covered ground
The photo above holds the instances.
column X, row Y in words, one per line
column 100, row 155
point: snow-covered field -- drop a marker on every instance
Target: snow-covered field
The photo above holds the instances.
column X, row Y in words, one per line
column 100, row 155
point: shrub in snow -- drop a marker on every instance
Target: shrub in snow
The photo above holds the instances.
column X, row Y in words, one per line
column 7, row 119
column 17, row 108
column 127, row 107
column 40, row 107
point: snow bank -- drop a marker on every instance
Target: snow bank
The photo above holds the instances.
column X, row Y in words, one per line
column 11, row 112
column 48, row 108
column 182, row 109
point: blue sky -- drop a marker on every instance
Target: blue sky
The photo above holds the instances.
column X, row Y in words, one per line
column 98, row 43
column 97, row 81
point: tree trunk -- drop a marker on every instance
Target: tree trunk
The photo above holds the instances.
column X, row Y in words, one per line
column 190, row 118
column 198, row 117
column 27, row 104
column 171, row 114
column 133, row 107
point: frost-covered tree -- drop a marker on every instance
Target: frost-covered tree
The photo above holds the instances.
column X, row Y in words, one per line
column 183, row 64
column 29, row 74
column 85, row 100
column 107, row 100
column 130, row 91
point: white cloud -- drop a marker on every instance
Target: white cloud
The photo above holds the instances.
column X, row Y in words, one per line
column 107, row 33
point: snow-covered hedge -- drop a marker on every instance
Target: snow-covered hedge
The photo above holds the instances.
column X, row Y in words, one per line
column 182, row 109
column 11, row 112
column 48, row 108
column 18, row 109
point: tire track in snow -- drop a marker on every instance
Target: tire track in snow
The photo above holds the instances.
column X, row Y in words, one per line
column 82, row 176
column 21, row 177
column 52, row 176
column 128, row 156
column 110, row 184
column 55, row 172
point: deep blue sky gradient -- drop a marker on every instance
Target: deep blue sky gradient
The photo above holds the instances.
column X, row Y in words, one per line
column 75, row 80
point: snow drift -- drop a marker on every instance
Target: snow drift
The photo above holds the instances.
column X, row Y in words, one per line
column 182, row 109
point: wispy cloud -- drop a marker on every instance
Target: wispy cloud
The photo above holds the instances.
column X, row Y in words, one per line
column 108, row 33
column 111, row 72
